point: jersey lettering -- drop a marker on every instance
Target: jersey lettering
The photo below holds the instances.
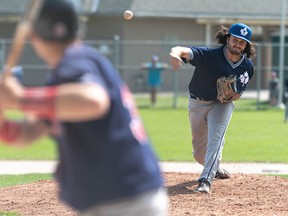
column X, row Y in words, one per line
column 136, row 125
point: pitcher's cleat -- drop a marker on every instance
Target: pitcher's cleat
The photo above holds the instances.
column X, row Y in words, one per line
column 203, row 187
column 222, row 174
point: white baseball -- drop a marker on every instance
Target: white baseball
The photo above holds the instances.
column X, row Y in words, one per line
column 128, row 14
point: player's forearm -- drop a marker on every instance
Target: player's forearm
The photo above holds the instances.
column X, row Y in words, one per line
column 67, row 102
column 182, row 52
column 78, row 102
column 17, row 133
column 176, row 55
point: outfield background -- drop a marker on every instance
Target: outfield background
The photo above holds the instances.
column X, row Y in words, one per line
column 254, row 135
column 257, row 133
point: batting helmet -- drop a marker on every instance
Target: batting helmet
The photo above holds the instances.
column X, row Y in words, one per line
column 57, row 21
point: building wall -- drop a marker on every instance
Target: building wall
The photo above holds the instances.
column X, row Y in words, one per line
column 140, row 38
column 168, row 33
column 133, row 51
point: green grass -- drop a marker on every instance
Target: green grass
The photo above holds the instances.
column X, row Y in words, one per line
column 255, row 134
column 44, row 149
column 9, row 214
column 169, row 132
column 10, row 180
column 257, row 137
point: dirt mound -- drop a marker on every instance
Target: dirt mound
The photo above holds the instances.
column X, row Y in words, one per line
column 241, row 195
column 39, row 198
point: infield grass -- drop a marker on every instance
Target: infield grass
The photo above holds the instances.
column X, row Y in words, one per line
column 253, row 135
column 9, row 214
column 10, row 180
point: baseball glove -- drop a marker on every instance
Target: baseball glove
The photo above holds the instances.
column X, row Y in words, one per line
column 226, row 88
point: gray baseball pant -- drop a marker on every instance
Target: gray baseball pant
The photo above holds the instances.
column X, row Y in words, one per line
column 209, row 121
column 151, row 203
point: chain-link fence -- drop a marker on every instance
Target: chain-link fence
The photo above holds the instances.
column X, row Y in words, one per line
column 128, row 55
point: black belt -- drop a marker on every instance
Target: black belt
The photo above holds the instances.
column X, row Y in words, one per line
column 196, row 98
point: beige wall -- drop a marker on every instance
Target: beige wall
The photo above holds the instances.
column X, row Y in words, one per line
column 143, row 29
column 165, row 31
column 103, row 28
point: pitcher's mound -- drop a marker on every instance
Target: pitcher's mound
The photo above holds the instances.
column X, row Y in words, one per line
column 241, row 195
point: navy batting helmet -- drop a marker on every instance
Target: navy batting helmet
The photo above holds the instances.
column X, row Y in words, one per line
column 57, row 21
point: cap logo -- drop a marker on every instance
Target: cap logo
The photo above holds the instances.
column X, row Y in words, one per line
column 59, row 30
column 244, row 31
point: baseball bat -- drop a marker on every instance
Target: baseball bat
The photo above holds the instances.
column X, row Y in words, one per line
column 21, row 33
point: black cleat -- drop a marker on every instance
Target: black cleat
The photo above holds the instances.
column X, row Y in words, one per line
column 222, row 174
column 203, row 187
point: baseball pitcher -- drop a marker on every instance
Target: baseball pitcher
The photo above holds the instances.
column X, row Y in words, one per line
column 220, row 77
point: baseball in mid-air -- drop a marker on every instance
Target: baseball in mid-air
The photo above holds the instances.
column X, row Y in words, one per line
column 128, row 15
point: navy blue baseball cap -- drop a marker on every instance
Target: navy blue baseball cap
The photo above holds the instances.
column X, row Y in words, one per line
column 241, row 31
column 57, row 21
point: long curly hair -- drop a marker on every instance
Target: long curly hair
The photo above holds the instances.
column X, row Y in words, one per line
column 223, row 33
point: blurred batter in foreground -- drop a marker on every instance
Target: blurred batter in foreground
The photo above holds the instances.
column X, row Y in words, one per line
column 106, row 164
